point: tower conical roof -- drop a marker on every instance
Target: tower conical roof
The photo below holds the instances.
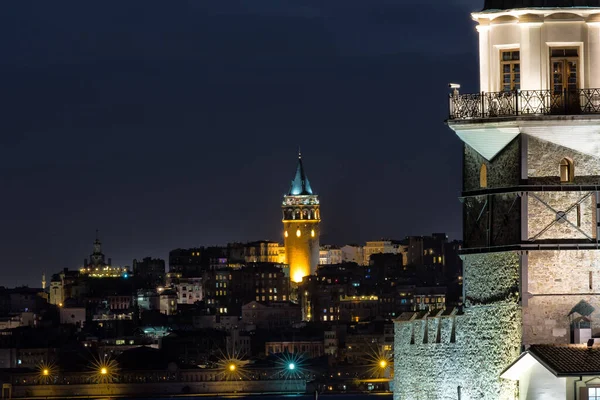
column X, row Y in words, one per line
column 300, row 184
column 510, row 4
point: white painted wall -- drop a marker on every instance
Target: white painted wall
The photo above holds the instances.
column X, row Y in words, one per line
column 537, row 383
column 534, row 32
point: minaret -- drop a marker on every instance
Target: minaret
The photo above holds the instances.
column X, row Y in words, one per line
column 301, row 217
column 531, row 203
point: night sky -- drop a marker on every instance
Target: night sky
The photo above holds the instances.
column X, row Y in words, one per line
column 170, row 124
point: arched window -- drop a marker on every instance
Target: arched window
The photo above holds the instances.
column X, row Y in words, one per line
column 483, row 176
column 566, row 170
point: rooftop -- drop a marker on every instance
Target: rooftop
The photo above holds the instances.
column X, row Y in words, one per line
column 300, row 184
column 511, row 4
column 568, row 359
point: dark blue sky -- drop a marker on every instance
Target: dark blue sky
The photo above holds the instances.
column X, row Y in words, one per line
column 172, row 124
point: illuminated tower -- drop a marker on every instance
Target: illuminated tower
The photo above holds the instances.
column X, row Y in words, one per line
column 531, row 204
column 301, row 217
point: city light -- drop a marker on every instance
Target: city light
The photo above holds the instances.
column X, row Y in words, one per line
column 380, row 362
column 46, row 373
column 104, row 370
column 232, row 365
column 290, row 365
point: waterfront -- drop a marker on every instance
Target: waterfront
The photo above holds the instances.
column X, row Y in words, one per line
column 333, row 396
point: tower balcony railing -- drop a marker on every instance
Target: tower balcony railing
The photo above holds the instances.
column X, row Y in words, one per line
column 522, row 103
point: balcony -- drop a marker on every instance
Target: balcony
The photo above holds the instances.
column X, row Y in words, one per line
column 490, row 105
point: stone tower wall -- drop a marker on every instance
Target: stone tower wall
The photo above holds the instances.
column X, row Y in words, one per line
column 557, row 282
column 434, row 355
column 302, row 253
column 502, row 171
column 543, row 159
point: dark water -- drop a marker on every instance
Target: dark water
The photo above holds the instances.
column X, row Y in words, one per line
column 373, row 396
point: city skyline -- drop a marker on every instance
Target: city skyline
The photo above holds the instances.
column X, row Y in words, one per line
column 168, row 140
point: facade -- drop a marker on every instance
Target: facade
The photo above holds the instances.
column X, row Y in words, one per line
column 262, row 252
column 381, row 247
column 189, row 290
column 99, row 267
column 530, row 174
column 353, row 253
column 330, row 255
column 274, row 315
column 309, row 348
column 149, row 271
column 357, row 308
column 301, row 218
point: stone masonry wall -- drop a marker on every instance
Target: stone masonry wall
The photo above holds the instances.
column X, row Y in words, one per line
column 504, row 170
column 580, row 209
column 557, row 282
column 486, row 339
column 543, row 161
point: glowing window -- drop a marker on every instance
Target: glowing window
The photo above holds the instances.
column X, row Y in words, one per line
column 298, row 233
column 285, row 234
column 312, row 233
column 566, row 170
column 483, row 176
column 511, row 70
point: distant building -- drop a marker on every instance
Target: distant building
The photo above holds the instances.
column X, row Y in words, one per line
column 381, row 247
column 274, row 315
column 189, row 290
column 74, row 315
column 97, row 267
column 262, row 252
column 192, row 263
column 307, row 348
column 366, row 345
column 330, row 255
column 355, row 309
column 150, row 272
column 168, row 302
column 353, row 253
column 64, row 285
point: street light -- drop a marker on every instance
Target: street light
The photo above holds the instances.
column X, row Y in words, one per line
column 383, row 364
column 103, row 371
column 46, row 372
column 291, row 366
column 232, row 367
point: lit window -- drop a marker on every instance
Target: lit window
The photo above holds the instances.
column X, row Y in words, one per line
column 285, row 234
column 511, row 70
column 312, row 233
column 594, row 393
column 298, row 233
column 483, row 176
column 566, row 170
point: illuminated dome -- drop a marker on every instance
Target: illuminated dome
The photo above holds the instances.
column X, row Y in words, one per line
column 510, row 4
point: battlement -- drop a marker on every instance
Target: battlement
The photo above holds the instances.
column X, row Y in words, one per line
column 424, row 327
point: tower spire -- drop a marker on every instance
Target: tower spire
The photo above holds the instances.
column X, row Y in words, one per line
column 300, row 183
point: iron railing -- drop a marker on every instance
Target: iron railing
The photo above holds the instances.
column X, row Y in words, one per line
column 524, row 102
